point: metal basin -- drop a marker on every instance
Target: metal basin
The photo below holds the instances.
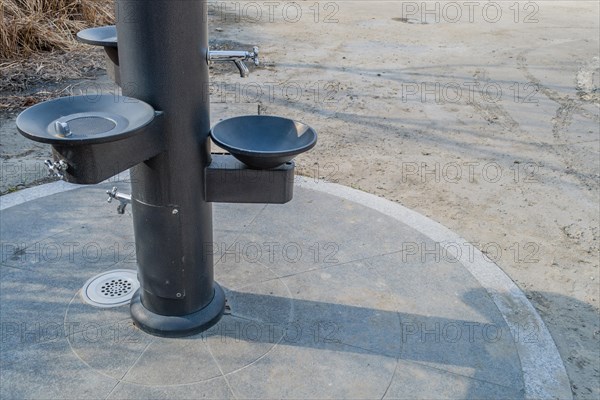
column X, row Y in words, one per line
column 95, row 137
column 263, row 141
column 81, row 120
column 105, row 36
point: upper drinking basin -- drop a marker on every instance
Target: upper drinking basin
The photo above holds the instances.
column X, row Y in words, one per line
column 263, row 141
column 79, row 120
column 102, row 36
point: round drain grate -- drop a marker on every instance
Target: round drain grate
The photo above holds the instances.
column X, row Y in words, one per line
column 92, row 125
column 111, row 289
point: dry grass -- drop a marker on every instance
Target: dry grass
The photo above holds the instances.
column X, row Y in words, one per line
column 38, row 49
column 31, row 26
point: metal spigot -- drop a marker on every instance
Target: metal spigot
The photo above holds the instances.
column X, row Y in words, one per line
column 56, row 168
column 237, row 56
column 124, row 199
column 62, row 128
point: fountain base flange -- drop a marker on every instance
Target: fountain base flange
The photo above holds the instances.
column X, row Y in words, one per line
column 178, row 326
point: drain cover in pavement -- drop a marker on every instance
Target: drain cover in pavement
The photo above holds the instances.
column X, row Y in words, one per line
column 111, row 289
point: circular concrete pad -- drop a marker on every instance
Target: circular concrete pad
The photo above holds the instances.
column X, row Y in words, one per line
column 338, row 294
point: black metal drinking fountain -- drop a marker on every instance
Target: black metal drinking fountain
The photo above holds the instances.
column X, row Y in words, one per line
column 160, row 128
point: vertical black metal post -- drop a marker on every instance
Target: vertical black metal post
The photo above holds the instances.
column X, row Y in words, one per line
column 162, row 53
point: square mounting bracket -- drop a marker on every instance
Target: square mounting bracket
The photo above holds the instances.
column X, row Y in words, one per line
column 228, row 180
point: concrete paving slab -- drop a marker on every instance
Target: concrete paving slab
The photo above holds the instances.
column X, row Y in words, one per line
column 50, row 371
column 432, row 381
column 110, row 350
column 313, row 236
column 213, row 389
column 197, row 366
column 377, row 320
column 313, row 373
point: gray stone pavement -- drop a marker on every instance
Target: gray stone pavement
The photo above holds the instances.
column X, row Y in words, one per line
column 330, row 298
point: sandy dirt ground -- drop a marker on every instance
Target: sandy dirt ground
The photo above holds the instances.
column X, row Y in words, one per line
column 483, row 117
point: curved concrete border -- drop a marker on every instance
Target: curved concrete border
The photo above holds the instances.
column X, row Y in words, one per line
column 544, row 373
column 36, row 192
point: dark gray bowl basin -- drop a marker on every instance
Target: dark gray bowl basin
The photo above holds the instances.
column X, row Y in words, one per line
column 263, row 141
column 105, row 36
column 84, row 120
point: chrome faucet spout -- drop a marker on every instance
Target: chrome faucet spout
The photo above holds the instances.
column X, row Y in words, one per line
column 241, row 66
column 238, row 57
